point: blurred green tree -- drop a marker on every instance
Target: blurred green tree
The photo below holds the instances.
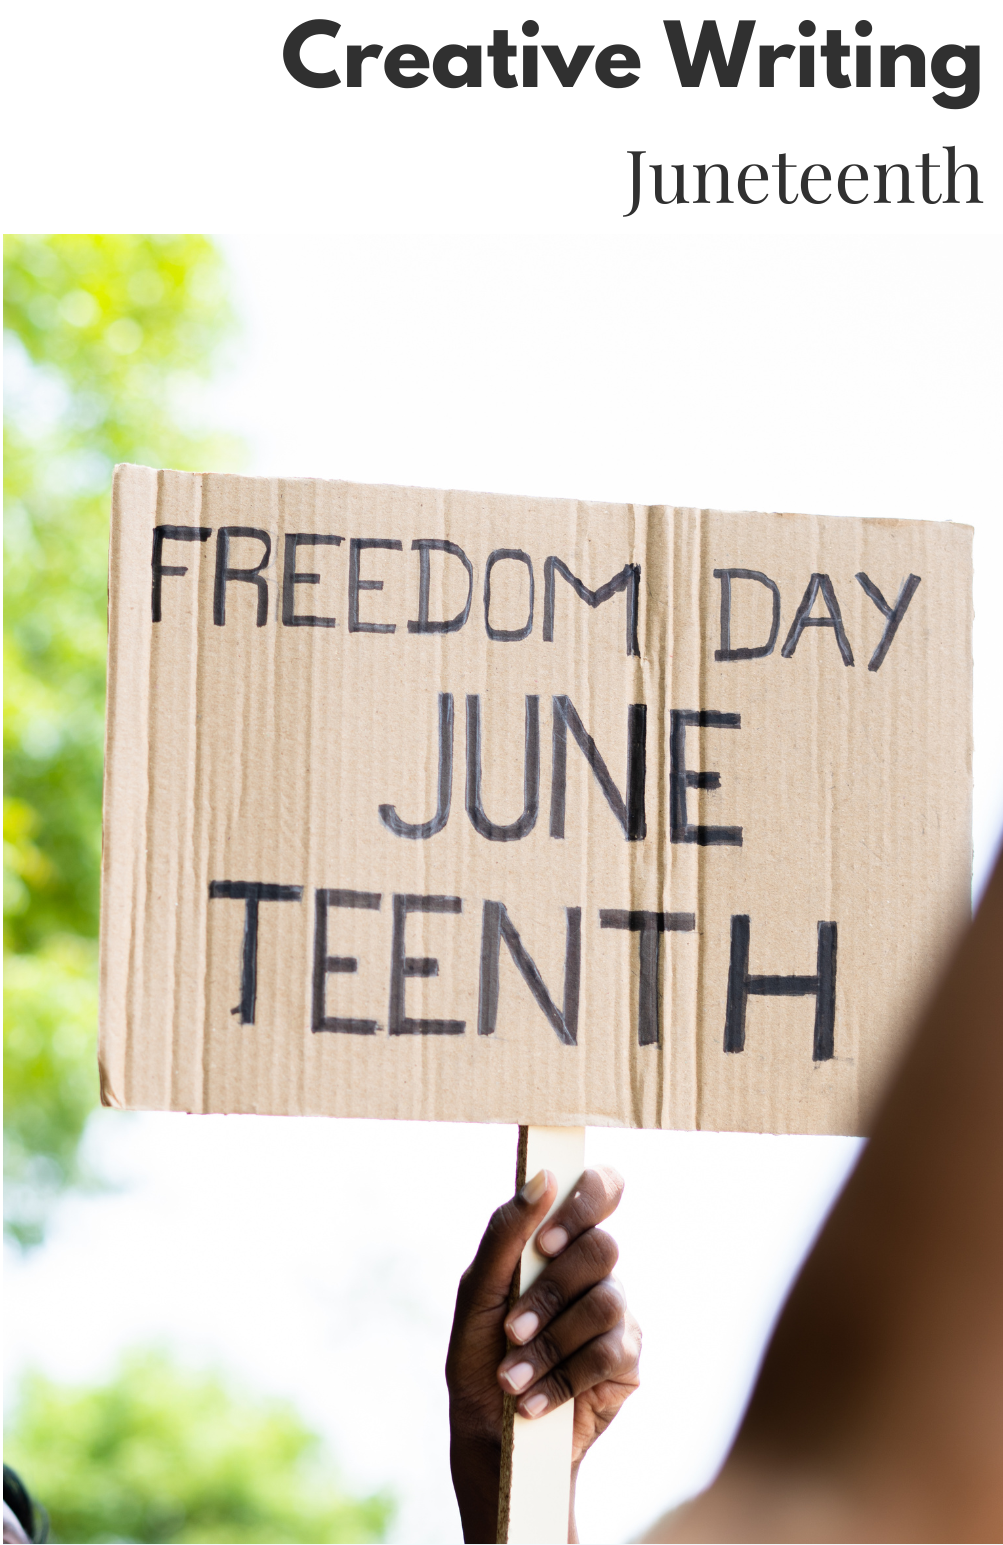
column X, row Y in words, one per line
column 163, row 1454
column 105, row 341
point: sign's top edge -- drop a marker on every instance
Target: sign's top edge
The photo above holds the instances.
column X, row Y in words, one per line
column 553, row 500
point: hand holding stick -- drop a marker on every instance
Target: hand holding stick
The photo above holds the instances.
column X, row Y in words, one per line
column 569, row 1336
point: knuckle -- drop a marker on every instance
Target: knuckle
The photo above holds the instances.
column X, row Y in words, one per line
column 601, row 1250
column 607, row 1303
column 559, row 1387
column 606, row 1357
column 610, row 1249
column 547, row 1354
column 547, row 1298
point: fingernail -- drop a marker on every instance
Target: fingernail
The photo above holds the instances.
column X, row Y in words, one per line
column 534, row 1189
column 524, row 1327
column 535, row 1405
column 518, row 1377
column 553, row 1241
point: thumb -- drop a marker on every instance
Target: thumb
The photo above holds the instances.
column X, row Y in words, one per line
column 509, row 1230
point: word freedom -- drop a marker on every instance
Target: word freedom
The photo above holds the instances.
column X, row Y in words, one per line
column 932, row 182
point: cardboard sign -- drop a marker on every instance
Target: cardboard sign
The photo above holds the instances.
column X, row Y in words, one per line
column 468, row 807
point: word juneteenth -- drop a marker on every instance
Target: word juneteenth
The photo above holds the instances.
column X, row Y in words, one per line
column 927, row 181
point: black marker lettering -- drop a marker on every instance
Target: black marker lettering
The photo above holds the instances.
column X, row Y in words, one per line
column 819, row 583
column 357, row 545
column 290, row 578
column 224, row 573
column 531, row 778
column 821, row 986
column 424, row 829
column 496, row 925
column 628, row 579
column 251, row 893
column 681, row 778
column 402, row 966
column 726, row 652
column 423, row 546
column 649, row 927
column 162, row 534
column 894, row 614
column 507, row 635
column 629, row 812
column 325, row 965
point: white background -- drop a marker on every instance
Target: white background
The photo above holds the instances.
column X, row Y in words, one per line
column 440, row 289
column 142, row 118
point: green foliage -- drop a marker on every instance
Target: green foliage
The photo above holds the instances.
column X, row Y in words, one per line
column 109, row 331
column 104, row 336
column 105, row 339
column 162, row 1454
column 50, row 1010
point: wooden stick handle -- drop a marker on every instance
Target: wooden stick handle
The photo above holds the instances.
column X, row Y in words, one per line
column 534, row 1491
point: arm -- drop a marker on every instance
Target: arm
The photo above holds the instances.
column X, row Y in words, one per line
column 569, row 1336
column 878, row 1411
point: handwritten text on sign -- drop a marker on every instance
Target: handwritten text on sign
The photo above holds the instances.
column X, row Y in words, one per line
column 315, row 725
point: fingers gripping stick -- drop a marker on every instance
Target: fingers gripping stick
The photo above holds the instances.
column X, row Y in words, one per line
column 535, row 1489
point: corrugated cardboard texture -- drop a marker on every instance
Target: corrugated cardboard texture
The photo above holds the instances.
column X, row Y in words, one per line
column 750, row 903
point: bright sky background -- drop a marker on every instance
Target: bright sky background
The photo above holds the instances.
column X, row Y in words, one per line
column 319, row 1258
